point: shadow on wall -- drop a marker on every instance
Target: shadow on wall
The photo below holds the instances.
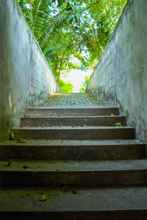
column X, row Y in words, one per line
column 121, row 75
column 25, row 77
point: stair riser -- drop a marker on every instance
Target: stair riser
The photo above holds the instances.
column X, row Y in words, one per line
column 93, row 121
column 74, row 112
column 73, row 152
column 74, row 215
column 73, row 178
column 80, row 134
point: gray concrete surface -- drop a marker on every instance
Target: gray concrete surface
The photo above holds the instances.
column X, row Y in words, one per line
column 121, row 75
column 72, row 150
column 66, row 200
column 71, row 100
column 24, row 73
column 73, row 166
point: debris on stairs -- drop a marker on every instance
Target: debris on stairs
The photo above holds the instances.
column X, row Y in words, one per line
column 73, row 159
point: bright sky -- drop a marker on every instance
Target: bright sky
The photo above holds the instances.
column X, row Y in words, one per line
column 76, row 78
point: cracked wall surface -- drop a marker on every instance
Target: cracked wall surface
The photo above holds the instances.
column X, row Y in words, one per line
column 25, row 77
column 121, row 75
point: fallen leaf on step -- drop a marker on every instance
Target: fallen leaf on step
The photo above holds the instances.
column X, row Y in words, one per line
column 25, row 167
column 112, row 114
column 118, row 124
column 43, row 198
column 74, row 191
column 8, row 164
column 20, row 140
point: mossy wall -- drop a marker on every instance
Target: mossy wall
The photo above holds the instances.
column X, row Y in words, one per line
column 121, row 75
column 25, row 77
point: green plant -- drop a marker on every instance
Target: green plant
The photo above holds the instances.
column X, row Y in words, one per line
column 65, row 87
column 65, row 28
column 85, row 84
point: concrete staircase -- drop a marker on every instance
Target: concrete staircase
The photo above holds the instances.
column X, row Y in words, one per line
column 75, row 163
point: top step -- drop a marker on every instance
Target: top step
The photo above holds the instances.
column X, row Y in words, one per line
column 68, row 111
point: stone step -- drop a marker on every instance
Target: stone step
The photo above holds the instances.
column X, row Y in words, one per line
column 80, row 133
column 73, row 150
column 45, row 121
column 72, row 111
column 129, row 203
column 77, row 174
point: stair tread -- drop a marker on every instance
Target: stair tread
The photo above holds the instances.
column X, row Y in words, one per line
column 56, row 200
column 73, row 173
column 73, row 107
column 73, row 143
column 72, row 166
column 73, row 117
column 74, row 128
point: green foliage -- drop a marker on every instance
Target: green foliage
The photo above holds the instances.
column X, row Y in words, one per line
column 85, row 84
column 65, row 87
column 65, row 28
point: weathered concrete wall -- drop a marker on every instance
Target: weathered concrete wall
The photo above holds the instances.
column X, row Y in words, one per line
column 121, row 75
column 25, row 77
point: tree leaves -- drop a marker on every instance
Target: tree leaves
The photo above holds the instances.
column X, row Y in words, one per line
column 72, row 27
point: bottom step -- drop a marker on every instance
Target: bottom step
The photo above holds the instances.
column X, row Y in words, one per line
column 120, row 203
